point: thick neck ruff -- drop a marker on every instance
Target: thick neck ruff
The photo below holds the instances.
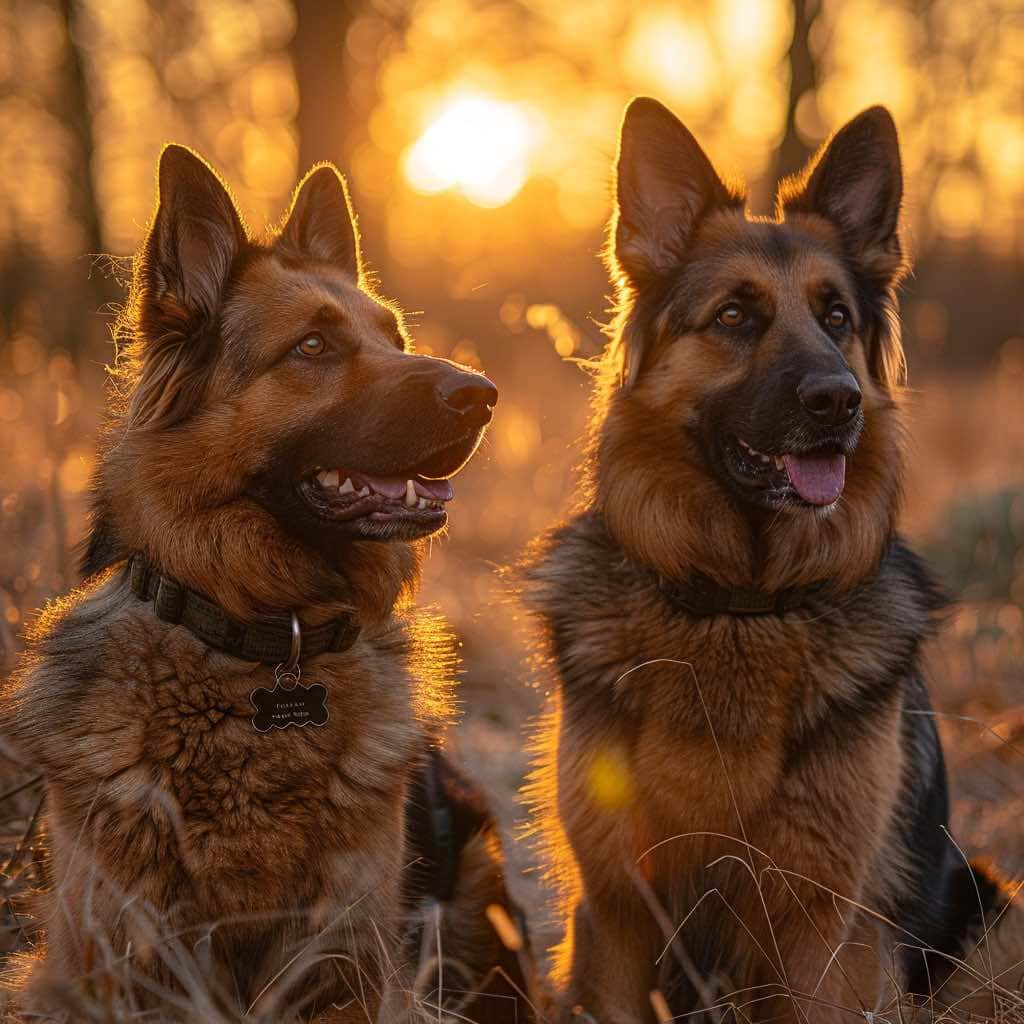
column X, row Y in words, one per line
column 269, row 640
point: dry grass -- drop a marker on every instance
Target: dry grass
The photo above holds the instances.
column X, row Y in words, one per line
column 968, row 441
column 116, row 982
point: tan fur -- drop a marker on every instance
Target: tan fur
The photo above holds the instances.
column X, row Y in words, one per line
column 702, row 775
column 667, row 512
column 163, row 798
column 178, row 490
column 194, row 860
column 719, row 800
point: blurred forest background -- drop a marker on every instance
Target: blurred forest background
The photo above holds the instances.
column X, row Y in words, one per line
column 477, row 136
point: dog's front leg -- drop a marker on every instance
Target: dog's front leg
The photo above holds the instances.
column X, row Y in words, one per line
column 809, row 943
column 815, row 961
column 615, row 943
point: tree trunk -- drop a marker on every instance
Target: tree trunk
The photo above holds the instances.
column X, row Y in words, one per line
column 92, row 289
column 803, row 79
column 79, row 121
column 318, row 51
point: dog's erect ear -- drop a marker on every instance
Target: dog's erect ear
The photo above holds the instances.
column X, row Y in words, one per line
column 664, row 185
column 856, row 181
column 195, row 236
column 321, row 224
column 186, row 261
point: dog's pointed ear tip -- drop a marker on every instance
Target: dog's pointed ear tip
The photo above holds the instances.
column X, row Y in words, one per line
column 323, row 175
column 181, row 165
column 174, row 152
column 876, row 120
column 643, row 106
column 643, row 112
column 878, row 113
column 176, row 158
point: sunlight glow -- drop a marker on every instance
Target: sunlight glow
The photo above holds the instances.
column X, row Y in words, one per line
column 669, row 53
column 476, row 145
column 608, row 780
column 749, row 27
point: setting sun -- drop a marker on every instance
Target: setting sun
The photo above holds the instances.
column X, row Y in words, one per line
column 476, row 145
column 511, row 511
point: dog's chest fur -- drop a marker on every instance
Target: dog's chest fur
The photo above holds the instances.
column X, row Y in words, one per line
column 709, row 722
column 158, row 780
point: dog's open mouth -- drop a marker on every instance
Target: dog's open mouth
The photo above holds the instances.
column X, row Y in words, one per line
column 412, row 503
column 812, row 477
column 387, row 504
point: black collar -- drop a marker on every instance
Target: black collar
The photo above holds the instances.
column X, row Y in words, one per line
column 269, row 640
column 701, row 596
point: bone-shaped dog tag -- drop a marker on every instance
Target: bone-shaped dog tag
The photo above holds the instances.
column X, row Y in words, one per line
column 286, row 705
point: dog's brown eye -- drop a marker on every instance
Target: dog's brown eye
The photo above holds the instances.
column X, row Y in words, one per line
column 838, row 316
column 731, row 315
column 312, row 345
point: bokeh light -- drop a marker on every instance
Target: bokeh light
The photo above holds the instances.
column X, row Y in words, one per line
column 478, row 138
column 476, row 144
column 670, row 54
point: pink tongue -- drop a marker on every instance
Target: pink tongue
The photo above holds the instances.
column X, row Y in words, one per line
column 439, row 490
column 394, row 487
column 818, row 479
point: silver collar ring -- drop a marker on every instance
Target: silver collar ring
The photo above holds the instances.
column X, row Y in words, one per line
column 292, row 669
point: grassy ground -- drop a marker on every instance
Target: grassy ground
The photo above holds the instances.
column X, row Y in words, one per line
column 967, row 458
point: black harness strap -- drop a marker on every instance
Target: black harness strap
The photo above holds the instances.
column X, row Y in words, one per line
column 269, row 640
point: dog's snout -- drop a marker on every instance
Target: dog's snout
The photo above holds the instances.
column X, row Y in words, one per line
column 832, row 399
column 471, row 395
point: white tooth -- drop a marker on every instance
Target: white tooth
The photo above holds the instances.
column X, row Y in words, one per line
column 423, row 503
column 365, row 491
column 330, row 478
column 410, row 494
column 764, row 458
column 346, row 487
column 779, row 464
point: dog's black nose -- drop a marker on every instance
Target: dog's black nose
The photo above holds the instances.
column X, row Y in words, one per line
column 471, row 395
column 832, row 398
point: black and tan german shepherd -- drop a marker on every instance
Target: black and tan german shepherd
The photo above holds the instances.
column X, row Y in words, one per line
column 741, row 785
column 236, row 713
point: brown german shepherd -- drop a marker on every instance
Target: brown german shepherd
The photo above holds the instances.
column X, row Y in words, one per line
column 741, row 784
column 232, row 711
